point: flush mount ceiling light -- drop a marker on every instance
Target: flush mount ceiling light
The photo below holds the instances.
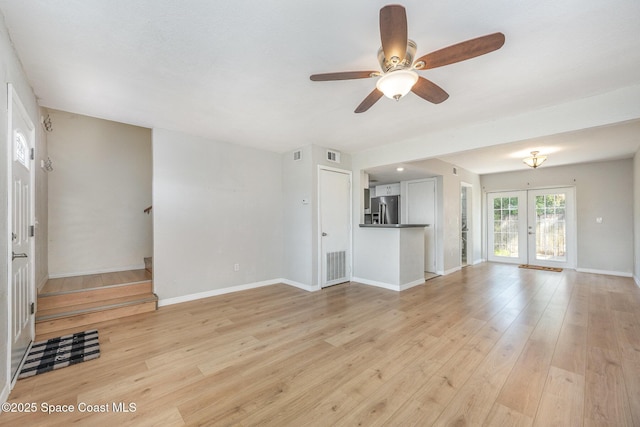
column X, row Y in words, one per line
column 397, row 84
column 534, row 161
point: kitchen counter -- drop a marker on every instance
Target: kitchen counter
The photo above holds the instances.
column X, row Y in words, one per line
column 394, row 225
column 391, row 257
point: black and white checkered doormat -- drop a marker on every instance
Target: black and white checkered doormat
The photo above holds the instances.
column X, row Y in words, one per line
column 60, row 352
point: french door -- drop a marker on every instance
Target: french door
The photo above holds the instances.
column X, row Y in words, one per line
column 533, row 227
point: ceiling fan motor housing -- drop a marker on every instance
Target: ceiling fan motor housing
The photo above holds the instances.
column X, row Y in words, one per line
column 393, row 64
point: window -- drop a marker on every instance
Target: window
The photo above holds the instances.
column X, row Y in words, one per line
column 21, row 150
column 505, row 228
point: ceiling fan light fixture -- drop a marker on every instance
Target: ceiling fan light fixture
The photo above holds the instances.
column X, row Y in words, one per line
column 397, row 84
column 534, row 161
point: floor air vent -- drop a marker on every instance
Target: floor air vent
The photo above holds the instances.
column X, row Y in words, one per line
column 336, row 265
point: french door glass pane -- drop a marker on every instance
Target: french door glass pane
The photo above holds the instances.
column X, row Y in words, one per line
column 551, row 227
column 505, row 229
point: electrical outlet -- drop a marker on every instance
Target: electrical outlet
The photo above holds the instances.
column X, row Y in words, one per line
column 236, row 267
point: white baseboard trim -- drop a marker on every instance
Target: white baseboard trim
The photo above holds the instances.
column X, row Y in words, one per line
column 4, row 395
column 606, row 272
column 635, row 279
column 452, row 270
column 43, row 282
column 238, row 288
column 479, row 261
column 299, row 285
column 376, row 283
column 412, row 284
column 308, row 288
column 216, row 292
column 388, row 286
column 106, row 270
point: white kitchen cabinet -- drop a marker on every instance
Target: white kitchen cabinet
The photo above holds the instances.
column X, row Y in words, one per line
column 388, row 190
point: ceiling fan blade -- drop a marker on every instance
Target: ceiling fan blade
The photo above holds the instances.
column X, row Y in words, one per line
column 462, row 51
column 346, row 75
column 371, row 99
column 393, row 32
column 430, row 91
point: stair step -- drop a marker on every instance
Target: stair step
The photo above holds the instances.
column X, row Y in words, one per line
column 91, row 306
column 70, row 298
column 80, row 315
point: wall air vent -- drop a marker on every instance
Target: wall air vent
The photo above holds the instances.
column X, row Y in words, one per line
column 333, row 156
column 455, row 171
column 297, row 155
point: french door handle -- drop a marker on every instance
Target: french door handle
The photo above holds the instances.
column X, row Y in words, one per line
column 324, row 234
column 15, row 255
column 532, row 232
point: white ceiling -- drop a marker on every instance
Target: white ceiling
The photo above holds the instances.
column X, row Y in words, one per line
column 613, row 142
column 602, row 143
column 239, row 71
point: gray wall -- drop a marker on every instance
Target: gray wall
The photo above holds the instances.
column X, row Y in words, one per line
column 214, row 205
column 297, row 183
column 603, row 189
column 11, row 72
column 100, row 185
column 300, row 181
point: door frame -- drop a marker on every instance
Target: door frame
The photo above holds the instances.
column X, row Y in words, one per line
column 349, row 258
column 12, row 99
column 469, row 208
column 572, row 230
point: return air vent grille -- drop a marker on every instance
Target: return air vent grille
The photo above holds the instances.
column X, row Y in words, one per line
column 333, row 156
column 297, row 155
column 336, row 265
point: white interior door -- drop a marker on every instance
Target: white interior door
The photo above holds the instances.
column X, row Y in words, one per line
column 534, row 227
column 335, row 226
column 21, row 267
column 421, row 209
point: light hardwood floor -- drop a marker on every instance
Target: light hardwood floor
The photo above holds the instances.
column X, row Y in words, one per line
column 489, row 345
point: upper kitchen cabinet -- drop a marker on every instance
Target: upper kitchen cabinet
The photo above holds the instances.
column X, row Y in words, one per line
column 388, row 190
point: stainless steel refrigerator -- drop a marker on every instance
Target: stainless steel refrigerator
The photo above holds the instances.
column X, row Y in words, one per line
column 385, row 210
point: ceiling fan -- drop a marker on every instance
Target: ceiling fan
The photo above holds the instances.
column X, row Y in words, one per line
column 398, row 75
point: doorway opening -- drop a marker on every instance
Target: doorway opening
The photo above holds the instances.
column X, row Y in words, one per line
column 465, row 228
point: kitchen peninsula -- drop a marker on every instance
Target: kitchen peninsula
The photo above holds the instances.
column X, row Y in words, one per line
column 392, row 255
